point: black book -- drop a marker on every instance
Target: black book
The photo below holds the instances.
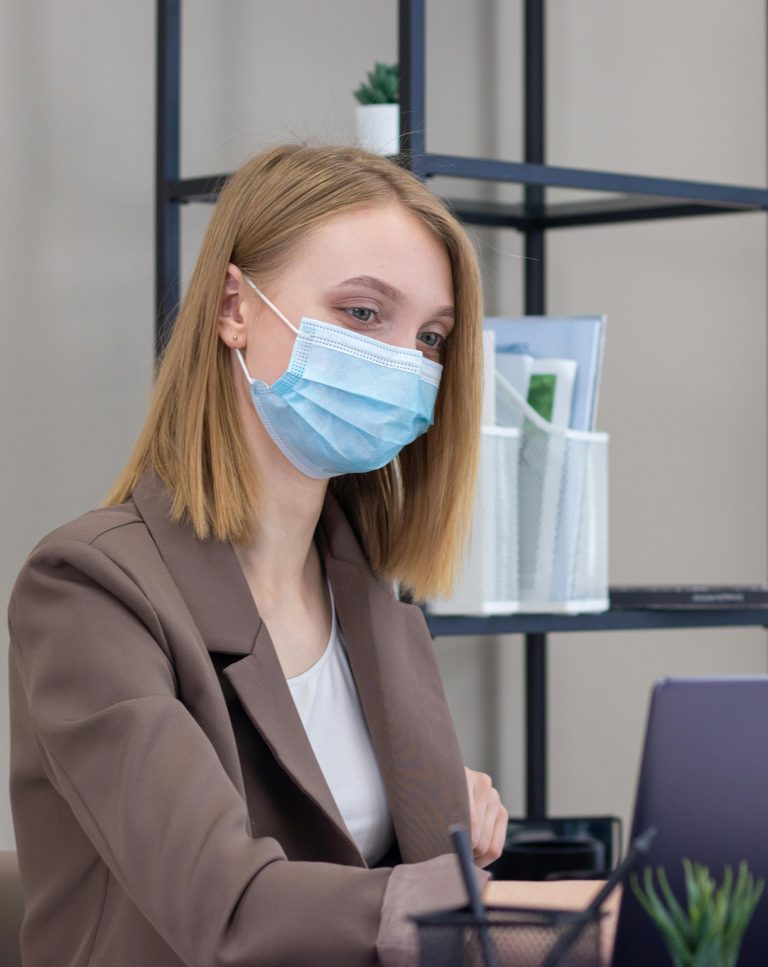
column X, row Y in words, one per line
column 692, row 597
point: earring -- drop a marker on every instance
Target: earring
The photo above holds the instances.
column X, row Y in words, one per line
column 234, row 338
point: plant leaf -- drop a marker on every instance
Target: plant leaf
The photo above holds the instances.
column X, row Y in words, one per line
column 676, row 945
column 381, row 85
column 745, row 899
column 676, row 911
column 708, row 954
column 710, row 934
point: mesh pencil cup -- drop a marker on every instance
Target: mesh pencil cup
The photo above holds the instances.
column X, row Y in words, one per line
column 506, row 937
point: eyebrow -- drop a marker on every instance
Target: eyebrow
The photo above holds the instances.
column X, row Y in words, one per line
column 395, row 295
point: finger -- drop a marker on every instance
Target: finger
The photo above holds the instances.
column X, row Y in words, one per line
column 497, row 841
column 479, row 832
column 481, row 786
column 472, row 808
column 498, row 838
column 490, row 810
column 483, row 804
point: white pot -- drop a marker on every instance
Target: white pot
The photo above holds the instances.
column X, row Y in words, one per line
column 378, row 128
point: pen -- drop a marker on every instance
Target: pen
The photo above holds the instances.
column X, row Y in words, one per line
column 463, row 849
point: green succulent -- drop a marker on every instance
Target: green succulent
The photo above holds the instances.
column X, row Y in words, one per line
column 382, row 85
column 709, row 933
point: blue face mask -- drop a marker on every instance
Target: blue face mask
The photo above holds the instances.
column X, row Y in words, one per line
column 347, row 403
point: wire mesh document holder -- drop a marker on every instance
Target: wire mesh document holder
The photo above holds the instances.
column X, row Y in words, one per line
column 539, row 538
column 562, row 510
column 489, row 579
column 506, row 937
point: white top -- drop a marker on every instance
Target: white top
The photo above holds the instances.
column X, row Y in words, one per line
column 329, row 706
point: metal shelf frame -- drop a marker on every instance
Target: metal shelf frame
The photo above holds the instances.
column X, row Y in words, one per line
column 613, row 620
column 536, row 627
column 639, row 199
column 711, row 197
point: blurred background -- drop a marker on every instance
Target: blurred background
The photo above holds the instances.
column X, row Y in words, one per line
column 673, row 90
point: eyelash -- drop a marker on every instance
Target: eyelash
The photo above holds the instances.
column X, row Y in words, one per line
column 362, row 322
column 441, row 343
column 439, row 347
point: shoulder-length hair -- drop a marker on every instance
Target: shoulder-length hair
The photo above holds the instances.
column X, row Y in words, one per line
column 412, row 516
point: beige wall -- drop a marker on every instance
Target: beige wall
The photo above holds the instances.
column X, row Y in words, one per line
column 673, row 90
column 658, row 88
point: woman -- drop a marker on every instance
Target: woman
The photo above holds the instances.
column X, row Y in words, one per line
column 230, row 744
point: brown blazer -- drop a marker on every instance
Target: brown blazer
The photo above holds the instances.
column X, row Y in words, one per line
column 167, row 804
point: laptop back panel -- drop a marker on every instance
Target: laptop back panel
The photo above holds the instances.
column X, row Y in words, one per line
column 704, row 785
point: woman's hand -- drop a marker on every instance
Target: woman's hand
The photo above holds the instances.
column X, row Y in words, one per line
column 488, row 816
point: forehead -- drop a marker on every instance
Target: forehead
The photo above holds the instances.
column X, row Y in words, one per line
column 386, row 241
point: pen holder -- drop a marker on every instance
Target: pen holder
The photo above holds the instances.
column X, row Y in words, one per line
column 506, row 937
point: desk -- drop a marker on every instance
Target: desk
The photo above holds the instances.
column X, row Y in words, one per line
column 557, row 895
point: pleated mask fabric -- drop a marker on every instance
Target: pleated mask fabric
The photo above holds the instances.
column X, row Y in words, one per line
column 347, row 403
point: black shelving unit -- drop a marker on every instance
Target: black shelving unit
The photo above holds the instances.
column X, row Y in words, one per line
column 639, row 199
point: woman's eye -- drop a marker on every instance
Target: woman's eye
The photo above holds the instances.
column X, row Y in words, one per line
column 361, row 314
column 433, row 340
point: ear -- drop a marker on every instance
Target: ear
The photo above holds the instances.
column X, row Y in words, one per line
column 232, row 322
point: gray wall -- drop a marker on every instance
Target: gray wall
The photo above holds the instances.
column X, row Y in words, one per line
column 658, row 88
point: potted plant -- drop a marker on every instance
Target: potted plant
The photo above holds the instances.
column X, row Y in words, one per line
column 378, row 110
column 709, row 932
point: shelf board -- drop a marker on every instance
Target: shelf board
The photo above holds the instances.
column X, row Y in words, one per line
column 615, row 620
column 603, row 211
column 552, row 176
column 203, row 189
column 640, row 198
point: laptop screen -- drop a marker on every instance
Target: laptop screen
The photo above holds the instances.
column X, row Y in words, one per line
column 704, row 785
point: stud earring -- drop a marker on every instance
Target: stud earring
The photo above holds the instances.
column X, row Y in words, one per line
column 234, row 338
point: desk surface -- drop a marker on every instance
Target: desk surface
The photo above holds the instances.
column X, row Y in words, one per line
column 557, row 895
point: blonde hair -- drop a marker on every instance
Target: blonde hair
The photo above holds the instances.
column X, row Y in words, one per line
column 412, row 516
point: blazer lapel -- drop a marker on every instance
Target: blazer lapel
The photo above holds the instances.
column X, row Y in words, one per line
column 392, row 660
column 260, row 685
column 207, row 573
column 390, row 655
column 213, row 586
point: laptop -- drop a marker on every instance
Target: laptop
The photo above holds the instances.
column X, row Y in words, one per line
column 704, row 785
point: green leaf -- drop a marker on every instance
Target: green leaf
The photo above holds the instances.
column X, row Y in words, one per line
column 692, row 893
column 699, row 887
column 362, row 94
column 709, row 934
column 676, row 945
column 708, row 955
column 678, row 914
column 745, row 898
column 381, row 86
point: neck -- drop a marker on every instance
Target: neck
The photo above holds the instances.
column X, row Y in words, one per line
column 281, row 558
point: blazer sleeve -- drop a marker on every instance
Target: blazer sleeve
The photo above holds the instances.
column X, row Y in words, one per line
column 151, row 794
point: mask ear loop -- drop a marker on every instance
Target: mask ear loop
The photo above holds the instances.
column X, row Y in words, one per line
column 271, row 305
column 239, row 354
